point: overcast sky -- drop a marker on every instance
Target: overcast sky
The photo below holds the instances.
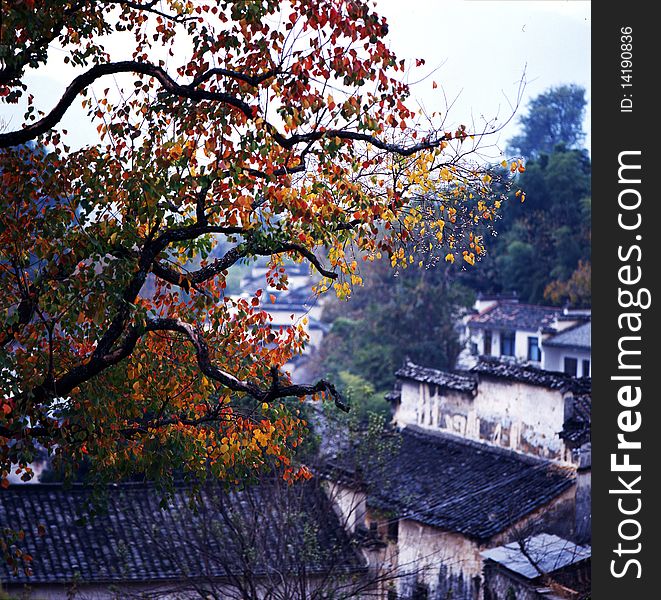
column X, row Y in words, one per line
column 477, row 51
column 483, row 48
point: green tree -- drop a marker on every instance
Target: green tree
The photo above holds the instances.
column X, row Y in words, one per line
column 554, row 117
column 546, row 236
column 411, row 315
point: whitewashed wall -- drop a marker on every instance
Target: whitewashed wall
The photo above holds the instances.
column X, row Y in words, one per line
column 505, row 413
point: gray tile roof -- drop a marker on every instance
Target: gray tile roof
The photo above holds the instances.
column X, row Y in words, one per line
column 463, row 382
column 549, row 552
column 512, row 315
column 579, row 337
column 136, row 540
column 461, row 486
column 492, row 367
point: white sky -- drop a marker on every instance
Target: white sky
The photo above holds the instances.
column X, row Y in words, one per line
column 476, row 50
column 482, row 48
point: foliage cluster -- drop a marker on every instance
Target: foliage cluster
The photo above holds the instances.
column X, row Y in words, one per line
column 232, row 130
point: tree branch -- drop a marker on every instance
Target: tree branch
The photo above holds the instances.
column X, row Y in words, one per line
column 14, row 138
column 149, row 7
column 253, row 80
column 230, row 381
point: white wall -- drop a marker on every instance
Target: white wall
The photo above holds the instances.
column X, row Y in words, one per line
column 530, row 417
column 553, row 359
column 506, row 413
column 350, row 505
column 520, row 343
column 422, row 550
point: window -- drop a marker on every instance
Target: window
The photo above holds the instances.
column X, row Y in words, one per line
column 586, row 368
column 420, row 592
column 507, row 343
column 487, row 343
column 571, row 366
column 534, row 352
column 393, row 529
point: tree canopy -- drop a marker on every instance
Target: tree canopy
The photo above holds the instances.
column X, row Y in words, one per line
column 273, row 129
column 410, row 314
column 554, row 117
column 542, row 251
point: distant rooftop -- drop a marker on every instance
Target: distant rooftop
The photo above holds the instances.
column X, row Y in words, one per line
column 136, row 540
column 549, row 552
column 492, row 367
column 578, row 337
column 512, row 315
column 443, row 379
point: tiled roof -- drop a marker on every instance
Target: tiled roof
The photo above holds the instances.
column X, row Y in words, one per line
column 136, row 540
column 574, row 337
column 452, row 381
column 577, row 428
column 512, row 315
column 462, row 486
column 549, row 552
column 492, row 367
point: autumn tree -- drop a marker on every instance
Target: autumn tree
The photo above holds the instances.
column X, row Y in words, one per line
column 277, row 130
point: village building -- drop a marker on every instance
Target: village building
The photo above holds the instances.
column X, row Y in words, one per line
column 440, row 501
column 569, row 351
column 542, row 567
column 296, row 305
column 483, row 459
column 550, row 338
column 514, row 406
column 489, row 456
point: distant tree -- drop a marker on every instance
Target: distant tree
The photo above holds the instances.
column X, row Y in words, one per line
column 554, row 117
column 411, row 315
column 576, row 290
column 543, row 238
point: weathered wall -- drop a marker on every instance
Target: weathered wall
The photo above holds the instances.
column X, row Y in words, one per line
column 443, row 560
column 499, row 585
column 110, row 591
column 583, row 533
column 450, row 563
column 175, row 590
column 505, row 413
column 522, row 417
column 349, row 504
